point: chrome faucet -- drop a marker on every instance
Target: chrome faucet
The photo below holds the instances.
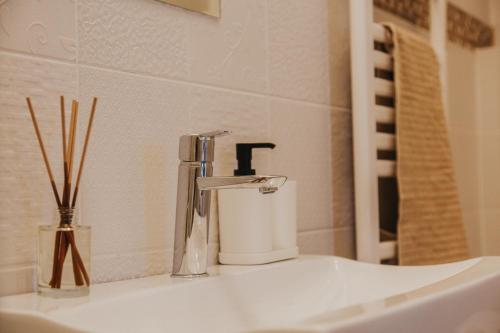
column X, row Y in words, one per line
column 194, row 185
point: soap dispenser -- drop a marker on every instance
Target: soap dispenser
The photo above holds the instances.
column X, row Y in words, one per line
column 244, row 157
column 252, row 229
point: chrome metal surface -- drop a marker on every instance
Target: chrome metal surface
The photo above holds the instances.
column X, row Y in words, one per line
column 199, row 147
column 195, row 182
column 266, row 184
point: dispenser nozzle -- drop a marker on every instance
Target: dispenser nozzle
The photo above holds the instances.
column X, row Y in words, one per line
column 244, row 157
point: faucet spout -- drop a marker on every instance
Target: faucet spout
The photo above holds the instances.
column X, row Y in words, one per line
column 265, row 184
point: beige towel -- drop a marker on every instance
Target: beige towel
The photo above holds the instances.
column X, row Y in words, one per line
column 430, row 229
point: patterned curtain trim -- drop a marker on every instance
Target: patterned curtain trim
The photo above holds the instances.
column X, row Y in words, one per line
column 462, row 28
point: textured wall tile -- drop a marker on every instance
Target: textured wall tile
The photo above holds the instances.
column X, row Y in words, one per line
column 120, row 266
column 24, row 186
column 461, row 85
column 380, row 15
column 30, row 26
column 129, row 185
column 17, row 280
column 480, row 9
column 342, row 168
column 213, row 253
column 298, row 49
column 488, row 87
column 464, row 144
column 131, row 172
column 344, row 243
column 245, row 115
column 473, row 224
column 489, row 171
column 230, row 51
column 139, row 36
column 491, row 233
column 302, row 135
column 339, row 53
column 316, row 242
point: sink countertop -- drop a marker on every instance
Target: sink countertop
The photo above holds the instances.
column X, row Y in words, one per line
column 308, row 294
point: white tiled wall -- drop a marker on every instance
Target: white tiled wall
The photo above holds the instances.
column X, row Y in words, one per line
column 26, row 198
column 488, row 90
column 473, row 90
column 267, row 70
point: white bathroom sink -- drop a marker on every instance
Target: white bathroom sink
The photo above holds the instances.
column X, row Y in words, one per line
column 309, row 294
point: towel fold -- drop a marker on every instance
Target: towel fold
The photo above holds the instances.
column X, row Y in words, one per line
column 430, row 228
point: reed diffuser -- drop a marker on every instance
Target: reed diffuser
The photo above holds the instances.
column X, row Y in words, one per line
column 56, row 240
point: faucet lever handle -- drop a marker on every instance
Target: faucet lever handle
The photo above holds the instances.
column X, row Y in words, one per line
column 214, row 134
column 199, row 147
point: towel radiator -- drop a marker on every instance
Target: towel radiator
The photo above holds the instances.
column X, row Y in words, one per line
column 373, row 117
column 373, row 103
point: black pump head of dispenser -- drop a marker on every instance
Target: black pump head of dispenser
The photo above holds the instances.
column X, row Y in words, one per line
column 244, row 157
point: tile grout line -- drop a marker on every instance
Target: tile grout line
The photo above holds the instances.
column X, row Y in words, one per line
column 268, row 84
column 340, row 109
column 213, row 87
column 266, row 43
column 324, row 229
column 312, row 231
column 79, row 65
column 26, row 55
column 343, row 228
column 16, row 267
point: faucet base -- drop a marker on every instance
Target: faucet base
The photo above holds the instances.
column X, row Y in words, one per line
column 189, row 276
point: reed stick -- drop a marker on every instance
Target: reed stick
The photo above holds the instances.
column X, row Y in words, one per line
column 84, row 152
column 64, row 147
column 71, row 146
column 63, row 133
column 77, row 258
column 63, row 250
column 76, row 267
column 57, row 241
column 55, row 260
column 44, row 154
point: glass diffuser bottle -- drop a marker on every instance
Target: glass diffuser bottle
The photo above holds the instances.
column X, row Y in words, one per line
column 64, row 256
column 63, row 268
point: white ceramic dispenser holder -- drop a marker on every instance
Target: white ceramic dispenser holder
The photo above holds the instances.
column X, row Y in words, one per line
column 257, row 228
